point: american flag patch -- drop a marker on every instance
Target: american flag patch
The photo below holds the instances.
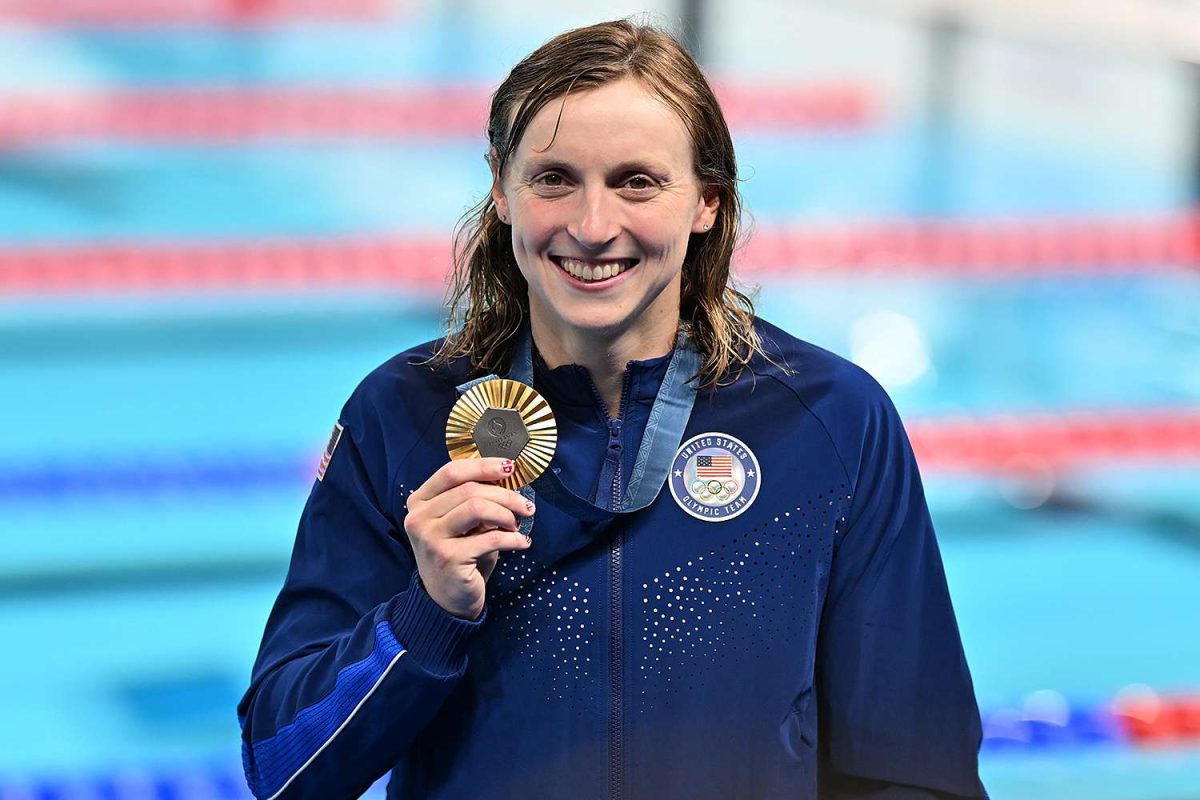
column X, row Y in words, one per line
column 334, row 438
column 714, row 466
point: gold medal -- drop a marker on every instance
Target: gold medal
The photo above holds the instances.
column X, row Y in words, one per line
column 506, row 419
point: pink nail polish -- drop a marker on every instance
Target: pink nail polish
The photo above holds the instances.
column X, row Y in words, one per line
column 507, row 467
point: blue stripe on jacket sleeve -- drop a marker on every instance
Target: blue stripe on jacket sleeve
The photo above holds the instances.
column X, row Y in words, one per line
column 273, row 762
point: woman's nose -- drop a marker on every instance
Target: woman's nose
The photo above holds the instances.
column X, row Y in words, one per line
column 594, row 221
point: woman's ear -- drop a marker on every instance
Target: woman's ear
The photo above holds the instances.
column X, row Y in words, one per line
column 498, row 197
column 706, row 211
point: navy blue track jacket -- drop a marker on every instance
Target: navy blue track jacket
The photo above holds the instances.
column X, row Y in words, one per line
column 803, row 647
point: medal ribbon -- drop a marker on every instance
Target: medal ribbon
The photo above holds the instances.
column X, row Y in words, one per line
column 660, row 439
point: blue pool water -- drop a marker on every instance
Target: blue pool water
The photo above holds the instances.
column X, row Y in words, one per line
column 91, row 191
column 158, row 450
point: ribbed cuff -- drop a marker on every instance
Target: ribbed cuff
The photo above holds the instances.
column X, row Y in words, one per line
column 433, row 637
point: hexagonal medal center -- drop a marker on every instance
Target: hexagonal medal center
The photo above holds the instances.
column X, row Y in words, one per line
column 500, row 433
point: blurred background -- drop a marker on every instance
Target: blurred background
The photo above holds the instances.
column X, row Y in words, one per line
column 216, row 216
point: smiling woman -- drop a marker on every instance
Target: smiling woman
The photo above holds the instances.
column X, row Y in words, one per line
column 602, row 200
column 605, row 141
column 775, row 624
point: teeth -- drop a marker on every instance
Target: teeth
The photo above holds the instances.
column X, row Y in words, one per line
column 593, row 272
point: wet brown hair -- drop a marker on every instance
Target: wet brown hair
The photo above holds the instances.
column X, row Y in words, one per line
column 488, row 297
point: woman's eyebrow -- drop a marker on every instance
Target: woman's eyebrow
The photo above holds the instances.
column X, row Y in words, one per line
column 648, row 166
column 645, row 165
column 536, row 164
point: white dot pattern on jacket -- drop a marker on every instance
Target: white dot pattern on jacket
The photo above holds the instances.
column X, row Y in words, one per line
column 708, row 603
column 559, row 628
column 714, row 600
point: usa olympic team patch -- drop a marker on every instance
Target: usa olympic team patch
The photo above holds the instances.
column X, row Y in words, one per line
column 714, row 477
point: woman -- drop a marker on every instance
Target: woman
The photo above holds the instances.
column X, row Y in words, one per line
column 731, row 586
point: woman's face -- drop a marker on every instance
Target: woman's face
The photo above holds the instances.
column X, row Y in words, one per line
column 601, row 218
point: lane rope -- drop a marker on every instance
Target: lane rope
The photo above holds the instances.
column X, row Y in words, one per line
column 140, row 13
column 969, row 249
column 1034, row 444
column 1009, row 445
column 224, row 115
column 1138, row 718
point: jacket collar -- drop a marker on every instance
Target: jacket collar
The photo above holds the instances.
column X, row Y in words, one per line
column 572, row 385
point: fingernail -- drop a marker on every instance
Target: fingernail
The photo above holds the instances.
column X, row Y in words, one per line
column 528, row 539
column 507, row 466
column 529, row 506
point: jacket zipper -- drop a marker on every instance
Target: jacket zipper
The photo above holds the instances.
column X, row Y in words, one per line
column 616, row 753
column 616, row 655
column 616, row 668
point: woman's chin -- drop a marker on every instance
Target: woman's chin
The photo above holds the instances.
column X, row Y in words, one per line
column 598, row 323
column 607, row 318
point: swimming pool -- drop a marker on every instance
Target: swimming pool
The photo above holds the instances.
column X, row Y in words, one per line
column 160, row 445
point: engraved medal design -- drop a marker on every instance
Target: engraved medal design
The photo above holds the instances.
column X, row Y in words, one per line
column 715, row 477
column 505, row 419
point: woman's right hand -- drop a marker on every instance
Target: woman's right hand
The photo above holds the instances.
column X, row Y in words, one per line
column 458, row 521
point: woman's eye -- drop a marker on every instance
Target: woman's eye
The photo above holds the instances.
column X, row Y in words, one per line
column 550, row 179
column 639, row 183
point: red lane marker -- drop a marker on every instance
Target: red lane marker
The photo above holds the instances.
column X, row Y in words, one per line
column 788, row 108
column 224, row 267
column 980, row 247
column 1152, row 720
column 187, row 12
column 223, row 115
column 227, row 114
column 1037, row 443
column 959, row 250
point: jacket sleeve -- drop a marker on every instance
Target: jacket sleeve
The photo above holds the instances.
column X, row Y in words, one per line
column 356, row 658
column 897, row 708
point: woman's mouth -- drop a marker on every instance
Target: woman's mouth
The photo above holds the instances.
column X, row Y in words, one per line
column 594, row 270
